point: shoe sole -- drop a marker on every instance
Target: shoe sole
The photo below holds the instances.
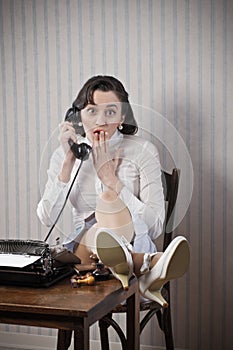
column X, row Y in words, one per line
column 176, row 268
column 112, row 254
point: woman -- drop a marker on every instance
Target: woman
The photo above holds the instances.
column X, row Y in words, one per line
column 118, row 194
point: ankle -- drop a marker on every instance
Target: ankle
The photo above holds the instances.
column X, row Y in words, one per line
column 140, row 265
column 155, row 259
column 137, row 261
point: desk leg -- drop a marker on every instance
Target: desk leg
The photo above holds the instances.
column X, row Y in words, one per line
column 133, row 332
column 63, row 339
column 81, row 337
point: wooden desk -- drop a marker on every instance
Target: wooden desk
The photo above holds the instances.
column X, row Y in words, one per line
column 67, row 308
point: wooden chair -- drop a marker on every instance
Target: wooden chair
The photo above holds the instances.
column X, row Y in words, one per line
column 170, row 184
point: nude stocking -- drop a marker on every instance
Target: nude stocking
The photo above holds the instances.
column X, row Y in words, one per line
column 111, row 213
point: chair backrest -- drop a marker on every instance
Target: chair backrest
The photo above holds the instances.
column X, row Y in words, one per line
column 170, row 186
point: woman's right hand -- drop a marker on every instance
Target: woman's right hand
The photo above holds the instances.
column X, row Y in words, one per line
column 67, row 132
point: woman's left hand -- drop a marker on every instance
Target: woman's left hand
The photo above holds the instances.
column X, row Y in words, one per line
column 104, row 163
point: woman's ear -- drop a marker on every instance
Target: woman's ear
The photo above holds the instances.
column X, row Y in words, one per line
column 120, row 126
column 122, row 119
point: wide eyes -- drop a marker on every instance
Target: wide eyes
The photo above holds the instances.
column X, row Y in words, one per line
column 91, row 111
column 108, row 112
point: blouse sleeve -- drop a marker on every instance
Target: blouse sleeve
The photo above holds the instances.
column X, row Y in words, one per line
column 148, row 206
column 55, row 191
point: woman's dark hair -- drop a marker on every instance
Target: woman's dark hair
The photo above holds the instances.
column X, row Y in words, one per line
column 106, row 83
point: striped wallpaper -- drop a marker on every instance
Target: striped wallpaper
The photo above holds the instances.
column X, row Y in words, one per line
column 175, row 59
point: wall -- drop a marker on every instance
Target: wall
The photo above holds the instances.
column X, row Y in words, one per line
column 174, row 57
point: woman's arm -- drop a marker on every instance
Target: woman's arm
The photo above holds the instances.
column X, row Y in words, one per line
column 59, row 174
column 55, row 190
column 146, row 203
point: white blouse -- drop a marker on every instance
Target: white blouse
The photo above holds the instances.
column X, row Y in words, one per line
column 140, row 172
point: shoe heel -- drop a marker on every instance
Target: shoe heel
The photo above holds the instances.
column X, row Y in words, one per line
column 112, row 252
column 156, row 296
column 171, row 265
column 124, row 280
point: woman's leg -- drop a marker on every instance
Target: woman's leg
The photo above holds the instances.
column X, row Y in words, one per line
column 110, row 213
column 153, row 271
column 138, row 260
column 85, row 248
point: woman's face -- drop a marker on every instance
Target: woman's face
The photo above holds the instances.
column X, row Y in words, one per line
column 104, row 115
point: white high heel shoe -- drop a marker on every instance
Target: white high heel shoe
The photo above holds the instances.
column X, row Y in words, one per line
column 113, row 253
column 171, row 265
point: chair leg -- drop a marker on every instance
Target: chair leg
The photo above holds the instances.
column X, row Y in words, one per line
column 104, row 323
column 167, row 328
column 104, row 334
column 64, row 339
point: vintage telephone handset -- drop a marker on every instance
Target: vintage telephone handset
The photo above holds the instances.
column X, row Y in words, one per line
column 82, row 150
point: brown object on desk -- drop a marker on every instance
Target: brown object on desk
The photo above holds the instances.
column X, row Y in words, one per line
column 88, row 279
column 68, row 309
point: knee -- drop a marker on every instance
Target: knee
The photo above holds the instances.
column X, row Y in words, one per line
column 108, row 196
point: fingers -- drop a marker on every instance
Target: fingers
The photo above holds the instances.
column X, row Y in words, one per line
column 100, row 151
column 67, row 132
column 117, row 158
column 100, row 142
column 66, row 126
column 100, row 138
column 95, row 140
column 103, row 136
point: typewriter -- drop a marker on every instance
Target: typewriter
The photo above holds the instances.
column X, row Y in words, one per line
column 34, row 263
